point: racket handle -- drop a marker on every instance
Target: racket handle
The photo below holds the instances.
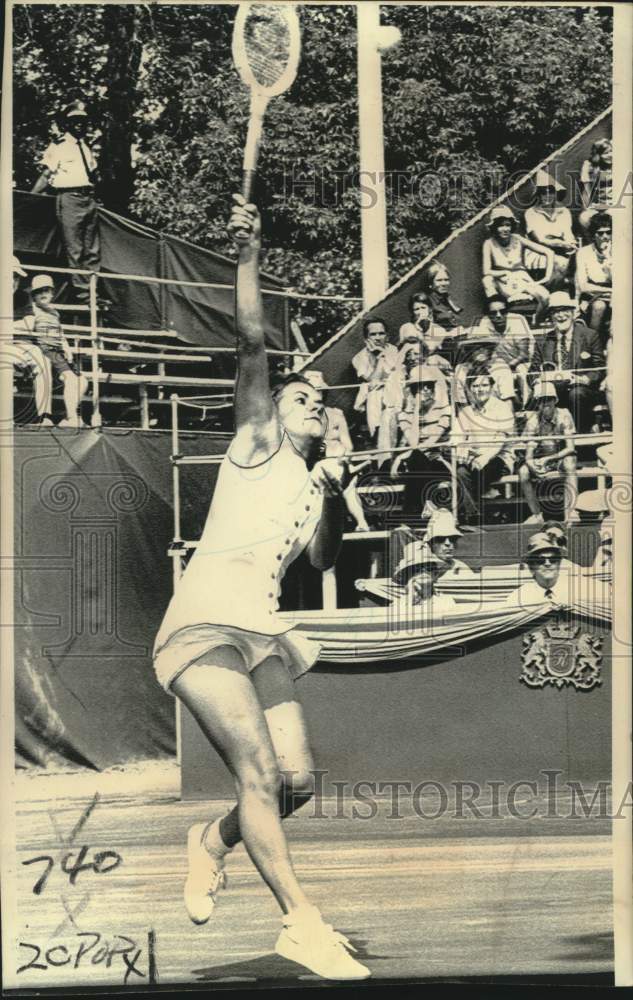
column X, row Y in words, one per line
column 248, row 182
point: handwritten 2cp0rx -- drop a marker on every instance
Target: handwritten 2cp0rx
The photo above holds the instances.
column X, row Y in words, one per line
column 89, row 948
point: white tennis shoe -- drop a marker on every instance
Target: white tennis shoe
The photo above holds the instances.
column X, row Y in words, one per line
column 206, row 876
column 318, row 947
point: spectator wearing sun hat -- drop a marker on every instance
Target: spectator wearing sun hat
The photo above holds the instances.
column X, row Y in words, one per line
column 24, row 353
column 548, row 457
column 548, row 585
column 418, row 572
column 70, row 169
column 44, row 325
column 550, row 225
column 574, row 355
column 505, row 264
column 424, row 422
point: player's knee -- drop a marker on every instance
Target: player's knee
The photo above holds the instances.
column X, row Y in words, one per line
column 524, row 474
column 569, row 464
column 261, row 779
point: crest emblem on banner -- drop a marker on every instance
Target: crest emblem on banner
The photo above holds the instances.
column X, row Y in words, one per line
column 561, row 654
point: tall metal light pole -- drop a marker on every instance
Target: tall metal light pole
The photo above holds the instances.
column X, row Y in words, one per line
column 373, row 39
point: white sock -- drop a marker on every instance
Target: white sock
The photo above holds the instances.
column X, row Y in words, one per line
column 302, row 913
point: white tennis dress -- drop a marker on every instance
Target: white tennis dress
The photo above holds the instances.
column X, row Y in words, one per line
column 261, row 518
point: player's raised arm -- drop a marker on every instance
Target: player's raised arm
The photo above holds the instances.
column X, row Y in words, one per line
column 256, row 423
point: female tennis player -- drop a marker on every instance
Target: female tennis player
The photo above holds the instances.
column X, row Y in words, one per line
column 222, row 647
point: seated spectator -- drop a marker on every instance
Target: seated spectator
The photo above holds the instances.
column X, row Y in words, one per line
column 512, row 355
column 550, row 457
column 593, row 273
column 380, row 395
column 474, row 353
column 424, row 421
column 548, row 584
column 596, row 181
column 338, row 442
column 505, row 267
column 422, row 328
column 442, row 536
column 24, row 354
column 418, row 572
column 550, row 225
column 44, row 324
column 436, row 279
column 573, row 352
column 485, row 453
column 557, row 534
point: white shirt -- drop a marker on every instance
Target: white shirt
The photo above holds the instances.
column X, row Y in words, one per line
column 64, row 161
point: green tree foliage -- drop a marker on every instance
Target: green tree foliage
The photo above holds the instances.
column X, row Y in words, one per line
column 472, row 96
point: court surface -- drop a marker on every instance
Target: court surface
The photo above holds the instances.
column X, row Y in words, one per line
column 422, row 899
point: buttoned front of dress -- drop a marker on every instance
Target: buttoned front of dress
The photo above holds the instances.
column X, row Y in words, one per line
column 261, row 519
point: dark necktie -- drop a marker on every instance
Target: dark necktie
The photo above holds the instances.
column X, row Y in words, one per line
column 84, row 161
column 549, row 593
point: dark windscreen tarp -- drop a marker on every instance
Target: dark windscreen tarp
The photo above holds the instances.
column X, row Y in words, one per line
column 200, row 316
column 94, row 518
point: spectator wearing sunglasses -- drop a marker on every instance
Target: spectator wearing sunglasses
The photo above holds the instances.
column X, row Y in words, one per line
column 511, row 358
column 548, row 585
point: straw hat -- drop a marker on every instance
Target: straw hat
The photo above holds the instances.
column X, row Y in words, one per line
column 545, row 390
column 500, row 212
column 561, row 300
column 540, row 543
column 418, row 557
column 442, row 525
column 41, row 281
column 424, row 373
column 544, row 180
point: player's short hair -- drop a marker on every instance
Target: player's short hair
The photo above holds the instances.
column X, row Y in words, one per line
column 279, row 383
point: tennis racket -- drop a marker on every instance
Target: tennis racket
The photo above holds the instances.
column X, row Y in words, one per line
column 266, row 49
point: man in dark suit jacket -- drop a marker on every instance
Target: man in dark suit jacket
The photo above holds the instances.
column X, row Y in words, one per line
column 573, row 349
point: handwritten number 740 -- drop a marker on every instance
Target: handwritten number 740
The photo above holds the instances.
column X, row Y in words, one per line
column 102, row 862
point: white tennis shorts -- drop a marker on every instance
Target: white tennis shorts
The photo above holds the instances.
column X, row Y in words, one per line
column 189, row 644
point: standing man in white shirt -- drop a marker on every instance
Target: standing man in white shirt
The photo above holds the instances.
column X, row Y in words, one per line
column 69, row 167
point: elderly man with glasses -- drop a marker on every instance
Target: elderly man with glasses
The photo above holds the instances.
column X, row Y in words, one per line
column 548, row 584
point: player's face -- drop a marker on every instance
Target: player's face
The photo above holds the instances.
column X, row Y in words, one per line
column 43, row 297
column 302, row 412
column 441, row 282
column 545, row 567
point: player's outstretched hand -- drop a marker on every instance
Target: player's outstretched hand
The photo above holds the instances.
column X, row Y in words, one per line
column 331, row 476
column 244, row 225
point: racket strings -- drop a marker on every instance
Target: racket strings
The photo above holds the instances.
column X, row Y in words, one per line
column 267, row 43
